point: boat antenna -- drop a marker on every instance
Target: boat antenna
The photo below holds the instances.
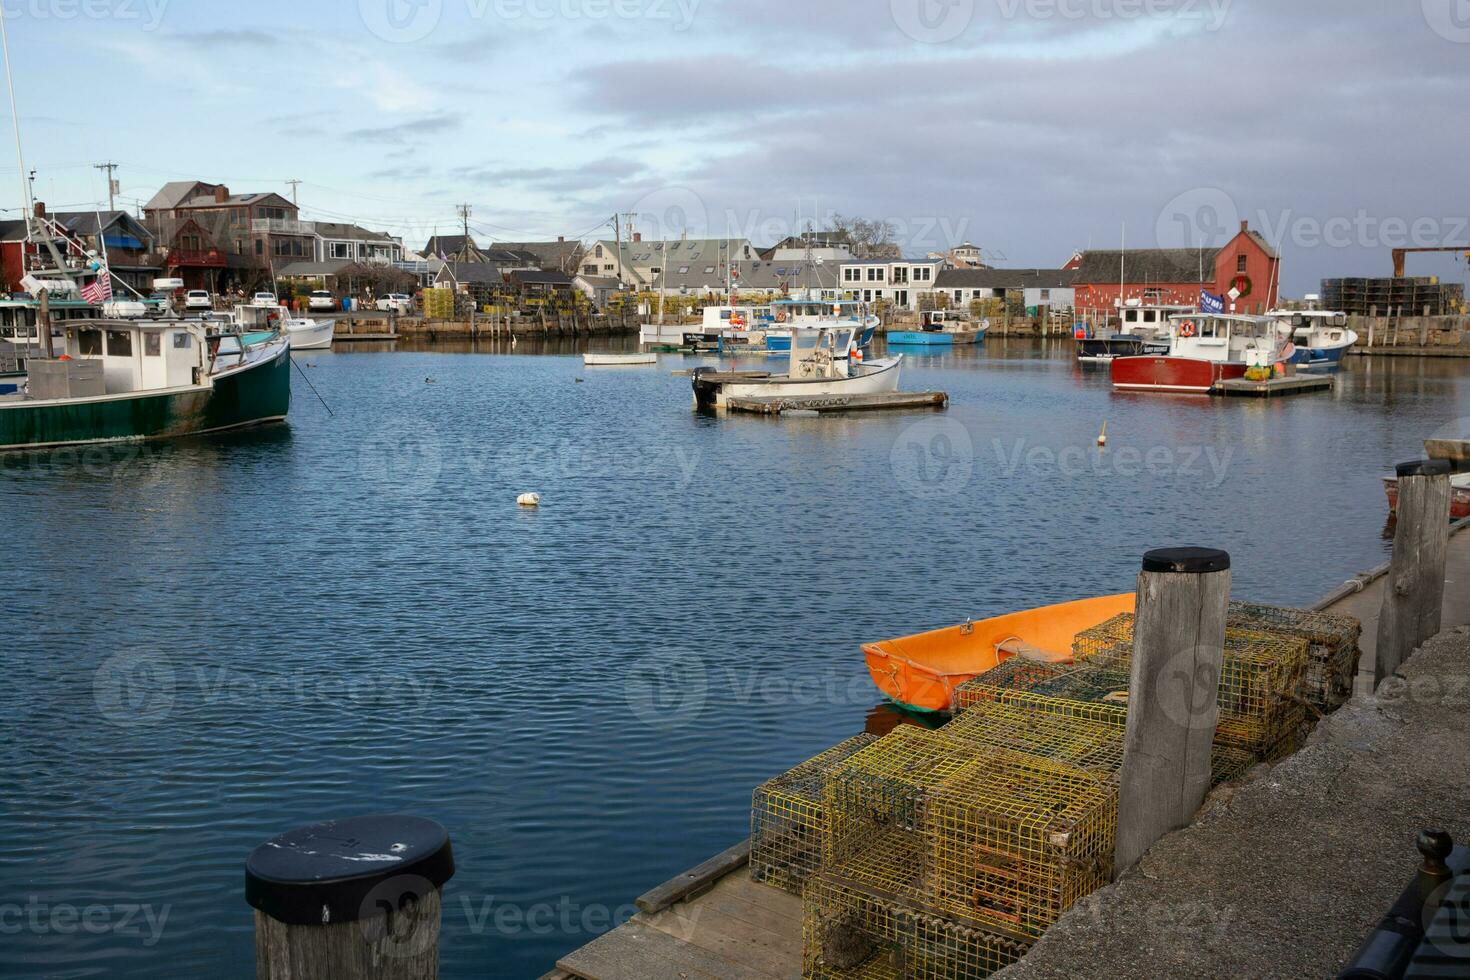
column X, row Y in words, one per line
column 15, row 121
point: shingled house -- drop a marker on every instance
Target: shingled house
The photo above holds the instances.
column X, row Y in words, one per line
column 1246, row 264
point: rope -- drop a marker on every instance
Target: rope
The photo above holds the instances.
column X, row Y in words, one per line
column 313, row 388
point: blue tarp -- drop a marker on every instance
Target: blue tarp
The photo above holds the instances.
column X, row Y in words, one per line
column 121, row 241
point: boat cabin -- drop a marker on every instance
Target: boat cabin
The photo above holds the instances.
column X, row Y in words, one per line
column 940, row 319
column 1148, row 321
column 1314, row 328
column 138, row 355
column 1224, row 337
column 717, row 318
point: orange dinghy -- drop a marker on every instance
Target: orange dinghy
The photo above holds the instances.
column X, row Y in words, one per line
column 922, row 671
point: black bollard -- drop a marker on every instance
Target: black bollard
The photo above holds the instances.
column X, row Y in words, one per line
column 356, row 899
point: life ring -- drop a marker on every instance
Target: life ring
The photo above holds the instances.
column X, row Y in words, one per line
column 781, row 317
column 1080, row 333
column 1186, row 329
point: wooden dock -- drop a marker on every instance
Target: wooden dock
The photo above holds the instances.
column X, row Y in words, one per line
column 839, row 403
column 710, row 923
column 1295, row 385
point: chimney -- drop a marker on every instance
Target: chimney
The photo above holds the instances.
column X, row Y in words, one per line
column 40, row 208
column 221, row 194
column 637, row 236
column 1245, row 226
column 560, row 239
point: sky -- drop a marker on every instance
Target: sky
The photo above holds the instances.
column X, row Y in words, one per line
column 1032, row 128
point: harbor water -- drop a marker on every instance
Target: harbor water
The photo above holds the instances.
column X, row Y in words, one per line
column 217, row 640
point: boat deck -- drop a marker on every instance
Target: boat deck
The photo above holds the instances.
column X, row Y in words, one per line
column 710, row 923
column 839, row 403
column 1295, row 385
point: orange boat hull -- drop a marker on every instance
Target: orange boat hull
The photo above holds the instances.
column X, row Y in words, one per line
column 922, row 671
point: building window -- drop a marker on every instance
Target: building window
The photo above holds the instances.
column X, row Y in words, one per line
column 1046, row 295
column 1240, row 263
column 340, row 250
column 598, row 252
column 959, row 295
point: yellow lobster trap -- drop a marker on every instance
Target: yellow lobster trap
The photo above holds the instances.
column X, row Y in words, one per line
column 788, row 819
column 1332, row 647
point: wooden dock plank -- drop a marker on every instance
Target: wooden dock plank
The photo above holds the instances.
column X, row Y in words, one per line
column 1295, row 385
column 637, row 951
column 696, row 879
column 737, row 897
column 699, row 924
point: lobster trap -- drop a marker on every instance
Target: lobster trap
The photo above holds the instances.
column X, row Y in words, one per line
column 886, row 786
column 869, row 919
column 788, row 820
column 1064, row 736
column 1015, row 674
column 1332, row 647
column 1093, row 699
column 1260, row 677
column 1014, row 843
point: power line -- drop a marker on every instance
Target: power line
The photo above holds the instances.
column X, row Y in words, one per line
column 112, row 186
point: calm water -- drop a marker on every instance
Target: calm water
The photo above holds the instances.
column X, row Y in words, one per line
column 215, row 641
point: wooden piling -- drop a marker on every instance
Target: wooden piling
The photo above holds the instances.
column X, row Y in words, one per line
column 1414, row 594
column 355, row 899
column 1178, row 646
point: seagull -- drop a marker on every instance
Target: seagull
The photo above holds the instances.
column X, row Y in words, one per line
column 430, row 381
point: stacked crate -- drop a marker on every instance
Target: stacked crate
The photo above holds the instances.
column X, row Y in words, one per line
column 1015, row 674
column 788, row 822
column 1332, row 647
column 1261, row 677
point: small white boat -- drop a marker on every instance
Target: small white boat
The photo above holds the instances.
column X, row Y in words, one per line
column 618, row 360
column 1321, row 337
column 815, row 370
column 306, row 334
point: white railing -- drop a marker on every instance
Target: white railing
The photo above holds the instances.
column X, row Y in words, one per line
column 281, row 226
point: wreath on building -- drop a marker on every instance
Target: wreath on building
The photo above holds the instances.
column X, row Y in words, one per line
column 1243, row 285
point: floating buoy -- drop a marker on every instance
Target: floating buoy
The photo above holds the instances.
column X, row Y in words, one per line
column 1102, row 439
column 529, row 500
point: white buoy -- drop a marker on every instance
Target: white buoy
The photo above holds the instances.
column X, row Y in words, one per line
column 1102, row 439
column 529, row 500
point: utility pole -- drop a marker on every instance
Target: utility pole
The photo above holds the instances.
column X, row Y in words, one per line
column 111, row 184
column 294, row 184
column 617, row 223
column 464, row 214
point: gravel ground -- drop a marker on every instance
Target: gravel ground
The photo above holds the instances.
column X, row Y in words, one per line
column 1284, row 874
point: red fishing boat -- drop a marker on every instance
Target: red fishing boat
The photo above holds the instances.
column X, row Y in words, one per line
column 1204, row 349
column 1459, row 495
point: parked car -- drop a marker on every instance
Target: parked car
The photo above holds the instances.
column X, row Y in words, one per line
column 401, row 303
column 198, row 299
column 265, row 299
column 321, row 301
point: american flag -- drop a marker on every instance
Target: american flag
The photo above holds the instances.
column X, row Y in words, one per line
column 99, row 290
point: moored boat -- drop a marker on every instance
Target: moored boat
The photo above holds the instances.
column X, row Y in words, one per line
column 1204, row 349
column 920, row 672
column 816, row 369
column 939, row 328
column 1143, row 329
column 307, row 334
column 1459, row 495
column 618, row 360
column 1321, row 337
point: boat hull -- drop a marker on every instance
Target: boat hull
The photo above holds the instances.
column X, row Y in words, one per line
column 935, row 338
column 1459, row 498
column 618, row 360
column 1169, row 373
column 920, row 672
column 1104, row 349
column 1318, row 358
column 252, row 395
column 311, row 334
column 714, row 390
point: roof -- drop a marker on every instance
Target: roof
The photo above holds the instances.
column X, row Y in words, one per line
column 1260, row 240
column 650, row 254
column 233, row 201
column 599, row 282
column 12, row 231
column 476, row 273
column 313, row 268
column 1005, row 279
column 765, row 275
column 441, row 245
column 1191, row 265
column 333, row 229
column 544, row 277
column 552, row 255
column 891, row 260
column 172, row 194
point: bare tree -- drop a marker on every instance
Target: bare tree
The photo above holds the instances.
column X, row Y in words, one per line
column 869, row 239
column 378, row 277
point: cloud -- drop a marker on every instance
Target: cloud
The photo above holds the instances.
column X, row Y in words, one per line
column 583, row 176
column 398, row 133
column 225, row 39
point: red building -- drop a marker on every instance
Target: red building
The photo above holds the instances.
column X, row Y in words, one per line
column 1175, row 276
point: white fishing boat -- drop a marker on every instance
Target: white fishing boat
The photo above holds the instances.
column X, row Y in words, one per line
column 308, row 334
column 1321, row 337
column 815, row 370
column 618, row 360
